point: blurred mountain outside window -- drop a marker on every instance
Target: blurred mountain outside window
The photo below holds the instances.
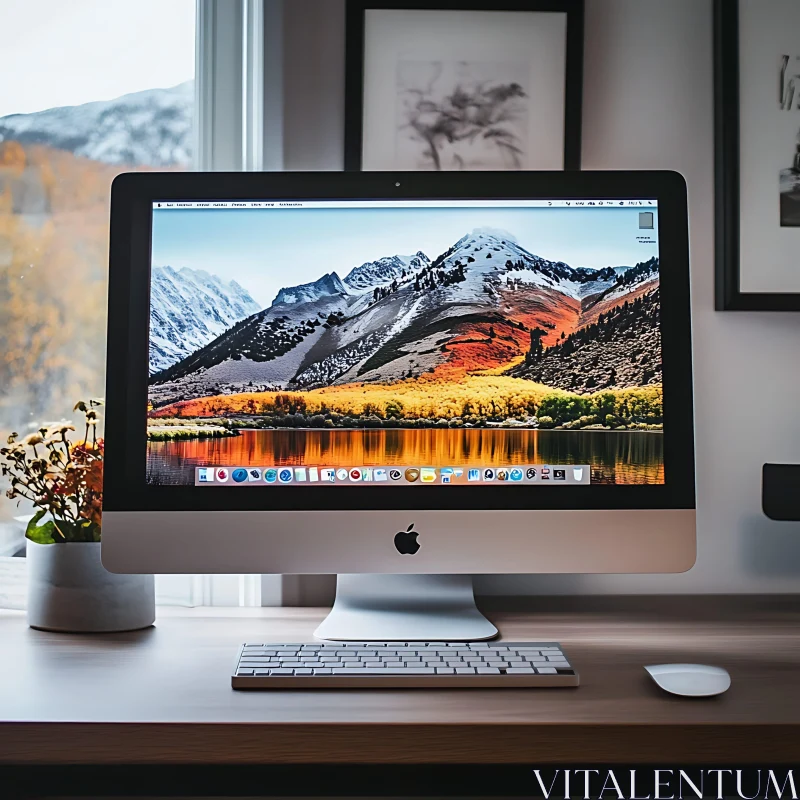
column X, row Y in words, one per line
column 91, row 88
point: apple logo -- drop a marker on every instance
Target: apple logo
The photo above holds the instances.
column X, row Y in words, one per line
column 406, row 541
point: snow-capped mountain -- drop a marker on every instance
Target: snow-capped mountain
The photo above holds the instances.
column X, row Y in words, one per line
column 490, row 252
column 329, row 285
column 384, row 271
column 151, row 128
column 473, row 307
column 190, row 308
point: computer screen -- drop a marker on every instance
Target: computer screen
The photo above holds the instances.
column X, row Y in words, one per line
column 403, row 343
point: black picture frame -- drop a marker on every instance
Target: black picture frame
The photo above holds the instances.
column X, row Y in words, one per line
column 354, row 64
column 729, row 296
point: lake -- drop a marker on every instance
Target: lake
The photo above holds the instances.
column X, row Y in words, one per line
column 624, row 457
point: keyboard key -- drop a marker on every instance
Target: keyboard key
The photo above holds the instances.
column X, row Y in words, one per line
column 488, row 671
column 445, row 671
column 323, row 671
column 303, row 671
column 547, row 671
column 520, row 671
column 244, row 671
column 280, row 672
column 465, row 670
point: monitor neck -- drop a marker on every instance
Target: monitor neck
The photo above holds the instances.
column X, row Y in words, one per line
column 405, row 608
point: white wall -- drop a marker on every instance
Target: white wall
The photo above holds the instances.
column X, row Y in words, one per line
column 648, row 103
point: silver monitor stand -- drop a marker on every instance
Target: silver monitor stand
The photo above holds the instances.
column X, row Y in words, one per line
column 405, row 608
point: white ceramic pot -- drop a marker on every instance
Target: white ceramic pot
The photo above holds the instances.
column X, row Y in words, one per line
column 69, row 590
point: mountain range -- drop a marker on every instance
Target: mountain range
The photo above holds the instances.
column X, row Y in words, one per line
column 473, row 307
column 152, row 128
column 188, row 309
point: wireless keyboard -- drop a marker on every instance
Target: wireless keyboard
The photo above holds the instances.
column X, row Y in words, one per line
column 396, row 665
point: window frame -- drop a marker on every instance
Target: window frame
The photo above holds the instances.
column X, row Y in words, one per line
column 230, row 98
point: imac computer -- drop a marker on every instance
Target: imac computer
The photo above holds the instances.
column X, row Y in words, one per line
column 403, row 379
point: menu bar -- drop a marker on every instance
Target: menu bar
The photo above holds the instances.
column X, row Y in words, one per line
column 211, row 205
column 399, row 475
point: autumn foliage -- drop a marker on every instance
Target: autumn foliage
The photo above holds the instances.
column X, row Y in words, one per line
column 484, row 396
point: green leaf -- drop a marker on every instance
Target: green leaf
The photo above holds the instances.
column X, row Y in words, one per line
column 41, row 534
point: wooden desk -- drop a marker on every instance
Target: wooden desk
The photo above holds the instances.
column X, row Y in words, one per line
column 163, row 696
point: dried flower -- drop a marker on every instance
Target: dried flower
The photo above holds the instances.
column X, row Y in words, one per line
column 65, row 481
column 59, row 429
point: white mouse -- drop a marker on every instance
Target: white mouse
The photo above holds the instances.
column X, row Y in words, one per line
column 690, row 680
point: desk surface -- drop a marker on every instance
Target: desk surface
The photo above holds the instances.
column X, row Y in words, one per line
column 163, row 695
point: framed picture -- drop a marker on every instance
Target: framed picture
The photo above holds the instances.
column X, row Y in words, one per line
column 463, row 85
column 757, row 124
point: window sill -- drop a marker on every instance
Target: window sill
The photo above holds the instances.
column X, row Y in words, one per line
column 13, row 582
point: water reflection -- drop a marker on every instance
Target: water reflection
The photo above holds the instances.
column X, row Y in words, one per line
column 616, row 457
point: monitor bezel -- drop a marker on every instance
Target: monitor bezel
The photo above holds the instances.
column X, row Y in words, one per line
column 132, row 198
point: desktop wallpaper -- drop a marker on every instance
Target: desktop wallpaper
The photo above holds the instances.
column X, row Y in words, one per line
column 348, row 337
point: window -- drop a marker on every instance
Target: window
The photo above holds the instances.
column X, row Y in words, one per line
column 105, row 86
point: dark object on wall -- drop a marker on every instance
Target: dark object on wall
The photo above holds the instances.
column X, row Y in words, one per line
column 463, row 85
column 757, row 131
column 780, row 491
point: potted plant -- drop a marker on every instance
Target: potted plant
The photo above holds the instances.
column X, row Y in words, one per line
column 68, row 587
